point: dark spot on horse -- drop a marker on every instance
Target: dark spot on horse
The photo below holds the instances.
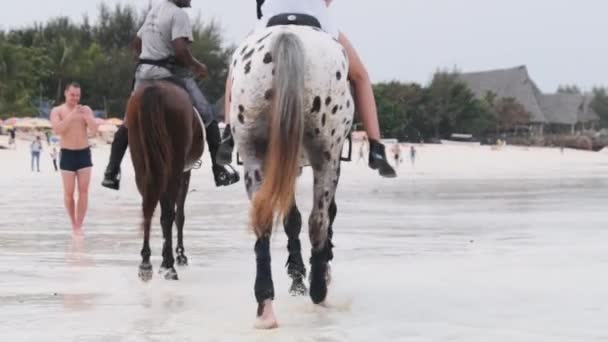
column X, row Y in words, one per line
column 343, row 65
column 338, row 75
column 267, row 58
column 309, row 135
column 327, row 155
column 242, row 91
column 248, row 67
column 328, row 100
column 234, row 63
column 323, row 119
column 344, row 121
column 320, row 204
column 241, row 118
column 244, row 49
column 241, row 109
column 335, row 110
column 248, row 55
column 339, row 140
column 331, row 147
column 344, row 53
column 316, row 105
column 258, row 176
column 233, row 130
column 333, row 132
column 269, row 94
column 348, row 104
column 326, row 194
column 348, row 123
column 261, row 48
column 317, row 131
column 272, row 72
column 230, row 97
column 263, row 38
column 341, row 107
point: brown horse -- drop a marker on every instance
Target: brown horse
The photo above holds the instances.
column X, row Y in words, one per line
column 165, row 137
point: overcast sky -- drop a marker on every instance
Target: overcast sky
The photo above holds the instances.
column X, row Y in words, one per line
column 561, row 41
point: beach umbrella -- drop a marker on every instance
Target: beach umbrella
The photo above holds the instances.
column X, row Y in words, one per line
column 11, row 121
column 107, row 128
column 114, row 121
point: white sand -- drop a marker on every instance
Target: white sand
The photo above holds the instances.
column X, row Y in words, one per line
column 470, row 245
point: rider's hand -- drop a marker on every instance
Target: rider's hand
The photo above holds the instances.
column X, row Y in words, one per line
column 201, row 71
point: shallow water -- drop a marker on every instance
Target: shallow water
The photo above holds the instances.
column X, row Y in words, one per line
column 507, row 246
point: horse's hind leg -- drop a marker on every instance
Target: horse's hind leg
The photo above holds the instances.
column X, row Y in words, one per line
column 295, row 265
column 182, row 260
column 145, row 268
column 264, row 286
column 167, row 204
column 326, row 177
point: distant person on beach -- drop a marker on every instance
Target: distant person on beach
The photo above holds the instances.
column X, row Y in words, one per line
column 361, row 152
column 11, row 140
column 413, row 155
column 54, row 157
column 72, row 121
column 36, row 148
column 397, row 154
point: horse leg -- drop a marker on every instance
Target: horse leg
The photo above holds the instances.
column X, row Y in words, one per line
column 295, row 265
column 145, row 268
column 182, row 260
column 167, row 205
column 326, row 177
column 264, row 286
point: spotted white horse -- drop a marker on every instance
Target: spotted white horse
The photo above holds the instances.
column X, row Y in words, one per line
column 290, row 105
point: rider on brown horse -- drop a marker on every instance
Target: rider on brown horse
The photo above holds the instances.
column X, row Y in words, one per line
column 163, row 47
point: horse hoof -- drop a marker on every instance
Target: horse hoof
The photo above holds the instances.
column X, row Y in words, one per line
column 168, row 273
column 265, row 318
column 298, row 288
column 145, row 272
column 318, row 283
column 182, row 260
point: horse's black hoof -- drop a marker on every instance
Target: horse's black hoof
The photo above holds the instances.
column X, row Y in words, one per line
column 318, row 282
column 168, row 273
column 145, row 272
column 298, row 288
column 182, row 260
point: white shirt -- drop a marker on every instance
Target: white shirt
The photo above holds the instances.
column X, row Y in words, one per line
column 315, row 8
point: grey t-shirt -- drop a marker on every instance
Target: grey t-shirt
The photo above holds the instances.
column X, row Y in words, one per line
column 165, row 23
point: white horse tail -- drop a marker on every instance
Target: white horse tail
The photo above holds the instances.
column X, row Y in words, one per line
column 281, row 166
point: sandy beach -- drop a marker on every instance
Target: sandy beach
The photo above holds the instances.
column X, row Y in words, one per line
column 468, row 244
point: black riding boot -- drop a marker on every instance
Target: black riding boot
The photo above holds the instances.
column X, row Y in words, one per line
column 221, row 175
column 224, row 153
column 119, row 147
column 378, row 160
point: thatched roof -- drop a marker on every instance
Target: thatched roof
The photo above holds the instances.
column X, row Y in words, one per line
column 513, row 82
column 562, row 108
column 567, row 109
column 589, row 114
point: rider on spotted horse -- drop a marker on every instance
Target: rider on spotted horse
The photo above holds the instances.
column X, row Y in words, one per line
column 163, row 47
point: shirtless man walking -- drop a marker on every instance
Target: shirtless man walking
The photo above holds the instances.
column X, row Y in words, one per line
column 72, row 122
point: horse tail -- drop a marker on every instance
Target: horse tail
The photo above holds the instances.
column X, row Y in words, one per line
column 155, row 141
column 281, row 166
